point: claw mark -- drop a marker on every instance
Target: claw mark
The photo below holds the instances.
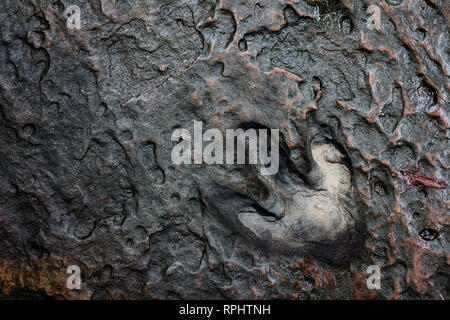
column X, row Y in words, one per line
column 309, row 208
column 413, row 179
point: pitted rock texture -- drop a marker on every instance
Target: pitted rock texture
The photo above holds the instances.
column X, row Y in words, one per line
column 86, row 117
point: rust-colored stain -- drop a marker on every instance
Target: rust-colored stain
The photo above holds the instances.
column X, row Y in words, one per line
column 415, row 179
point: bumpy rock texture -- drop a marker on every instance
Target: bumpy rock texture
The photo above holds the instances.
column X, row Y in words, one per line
column 86, row 118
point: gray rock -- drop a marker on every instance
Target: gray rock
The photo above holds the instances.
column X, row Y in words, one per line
column 86, row 117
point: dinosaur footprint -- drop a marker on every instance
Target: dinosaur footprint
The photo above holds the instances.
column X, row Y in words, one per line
column 307, row 207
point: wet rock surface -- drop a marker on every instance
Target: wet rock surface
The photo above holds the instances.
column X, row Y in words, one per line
column 86, row 117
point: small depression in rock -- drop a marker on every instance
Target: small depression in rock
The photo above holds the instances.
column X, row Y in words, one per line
column 428, row 234
column 28, row 130
column 346, row 25
column 243, row 45
column 395, row 2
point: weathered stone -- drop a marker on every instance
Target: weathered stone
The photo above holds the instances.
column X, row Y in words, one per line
column 86, row 117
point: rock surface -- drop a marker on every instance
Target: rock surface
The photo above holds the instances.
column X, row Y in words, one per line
column 86, row 116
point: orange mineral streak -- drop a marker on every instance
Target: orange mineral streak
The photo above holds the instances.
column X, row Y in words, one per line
column 413, row 179
column 45, row 275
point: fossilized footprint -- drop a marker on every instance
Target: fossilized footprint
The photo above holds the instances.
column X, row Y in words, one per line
column 307, row 207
